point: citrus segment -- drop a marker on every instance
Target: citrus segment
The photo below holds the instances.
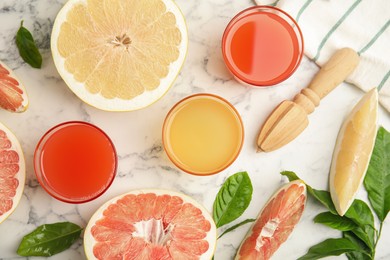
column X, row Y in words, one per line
column 12, row 172
column 353, row 149
column 150, row 224
column 119, row 54
column 275, row 222
column 13, row 96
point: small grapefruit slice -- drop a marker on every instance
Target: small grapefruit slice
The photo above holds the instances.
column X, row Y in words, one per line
column 12, row 172
column 13, row 96
column 150, row 224
column 275, row 222
column 119, row 55
column 352, row 152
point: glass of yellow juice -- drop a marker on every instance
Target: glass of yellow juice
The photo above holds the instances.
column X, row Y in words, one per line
column 203, row 134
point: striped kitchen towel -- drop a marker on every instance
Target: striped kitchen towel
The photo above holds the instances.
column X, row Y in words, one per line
column 363, row 25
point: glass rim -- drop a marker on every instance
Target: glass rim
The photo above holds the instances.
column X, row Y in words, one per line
column 172, row 111
column 282, row 14
column 39, row 173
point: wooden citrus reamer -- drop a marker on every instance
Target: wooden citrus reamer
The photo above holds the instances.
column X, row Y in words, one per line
column 290, row 118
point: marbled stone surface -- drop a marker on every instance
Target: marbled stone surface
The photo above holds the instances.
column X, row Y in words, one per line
column 137, row 135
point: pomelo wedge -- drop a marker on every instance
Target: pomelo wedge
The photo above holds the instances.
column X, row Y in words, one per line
column 352, row 152
column 150, row 224
column 275, row 222
column 13, row 96
column 12, row 172
column 119, row 55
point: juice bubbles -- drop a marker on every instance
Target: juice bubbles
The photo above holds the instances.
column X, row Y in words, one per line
column 75, row 162
column 203, row 134
column 262, row 46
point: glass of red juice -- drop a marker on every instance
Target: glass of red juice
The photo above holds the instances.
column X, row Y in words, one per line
column 75, row 162
column 262, row 46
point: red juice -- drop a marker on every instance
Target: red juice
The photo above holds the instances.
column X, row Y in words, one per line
column 262, row 46
column 75, row 162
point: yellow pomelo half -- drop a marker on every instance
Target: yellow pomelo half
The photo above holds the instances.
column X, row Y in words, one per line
column 119, row 55
column 353, row 150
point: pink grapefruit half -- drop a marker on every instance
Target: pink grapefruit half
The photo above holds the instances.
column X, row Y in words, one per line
column 13, row 96
column 12, row 172
column 275, row 222
column 150, row 224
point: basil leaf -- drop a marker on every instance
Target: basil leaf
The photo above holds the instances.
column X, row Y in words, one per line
column 27, row 48
column 330, row 247
column 335, row 221
column 321, row 195
column 232, row 199
column 358, row 242
column 360, row 213
column 236, row 226
column 49, row 239
column 377, row 180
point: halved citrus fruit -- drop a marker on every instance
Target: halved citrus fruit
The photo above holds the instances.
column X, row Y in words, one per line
column 12, row 172
column 275, row 222
column 119, row 55
column 13, row 96
column 150, row 224
column 352, row 152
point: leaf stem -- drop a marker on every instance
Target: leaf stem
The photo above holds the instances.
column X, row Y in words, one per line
column 377, row 239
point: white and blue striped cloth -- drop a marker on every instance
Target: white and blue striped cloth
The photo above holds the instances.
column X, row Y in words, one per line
column 363, row 25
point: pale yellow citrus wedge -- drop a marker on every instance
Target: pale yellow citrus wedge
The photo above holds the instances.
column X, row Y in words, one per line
column 119, row 55
column 352, row 152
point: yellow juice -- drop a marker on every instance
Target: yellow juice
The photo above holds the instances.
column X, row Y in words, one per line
column 203, row 134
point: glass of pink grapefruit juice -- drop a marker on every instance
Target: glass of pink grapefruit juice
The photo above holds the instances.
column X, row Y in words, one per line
column 75, row 162
column 203, row 134
column 262, row 46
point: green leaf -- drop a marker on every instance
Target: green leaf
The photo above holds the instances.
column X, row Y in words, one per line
column 366, row 234
column 49, row 239
column 290, row 175
column 335, row 221
column 321, row 195
column 360, row 213
column 27, row 48
column 236, row 226
column 377, row 180
column 358, row 242
column 232, row 199
column 330, row 247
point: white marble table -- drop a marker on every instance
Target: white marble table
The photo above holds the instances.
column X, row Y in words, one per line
column 137, row 135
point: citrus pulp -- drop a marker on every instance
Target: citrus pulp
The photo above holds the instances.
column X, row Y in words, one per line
column 12, row 172
column 275, row 222
column 150, row 224
column 352, row 152
column 119, row 55
column 13, row 96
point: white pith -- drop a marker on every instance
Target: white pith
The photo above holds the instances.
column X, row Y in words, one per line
column 117, row 104
column 266, row 232
column 211, row 237
column 21, row 175
column 153, row 231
